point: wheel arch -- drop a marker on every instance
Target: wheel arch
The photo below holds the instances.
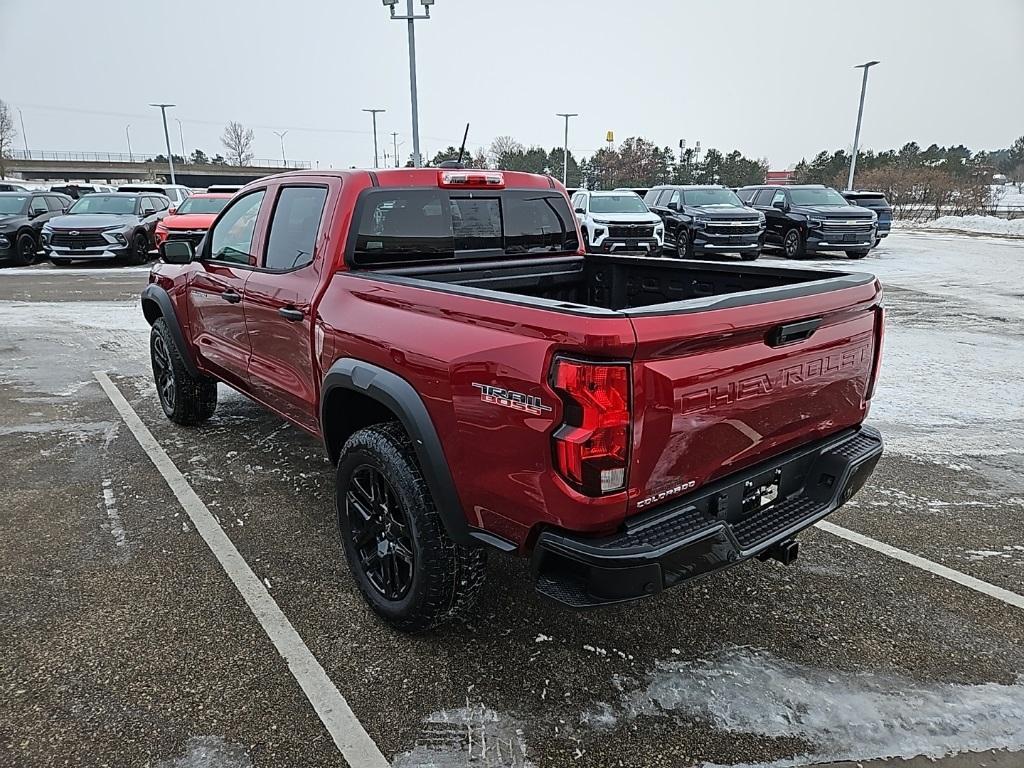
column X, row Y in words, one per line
column 356, row 394
column 156, row 303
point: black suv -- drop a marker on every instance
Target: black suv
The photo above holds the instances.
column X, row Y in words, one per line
column 707, row 219
column 812, row 218
column 105, row 225
column 22, row 215
column 874, row 201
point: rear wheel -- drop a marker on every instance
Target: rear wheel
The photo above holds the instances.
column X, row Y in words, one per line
column 856, row 254
column 794, row 245
column 186, row 399
column 408, row 569
column 25, row 249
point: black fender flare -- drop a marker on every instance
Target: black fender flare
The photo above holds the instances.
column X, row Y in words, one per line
column 154, row 294
column 399, row 396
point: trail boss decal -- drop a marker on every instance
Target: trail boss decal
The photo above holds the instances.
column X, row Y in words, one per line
column 511, row 399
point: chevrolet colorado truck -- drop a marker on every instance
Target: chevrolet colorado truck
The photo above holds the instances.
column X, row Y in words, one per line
column 483, row 384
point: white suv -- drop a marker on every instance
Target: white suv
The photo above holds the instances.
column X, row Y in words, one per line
column 618, row 222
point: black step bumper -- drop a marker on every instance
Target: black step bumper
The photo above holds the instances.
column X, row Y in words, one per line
column 718, row 526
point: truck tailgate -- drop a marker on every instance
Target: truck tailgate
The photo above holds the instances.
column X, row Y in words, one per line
column 719, row 389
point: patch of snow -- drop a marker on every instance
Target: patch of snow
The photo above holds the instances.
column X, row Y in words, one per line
column 209, row 752
column 473, row 735
column 116, row 526
column 983, row 225
column 845, row 715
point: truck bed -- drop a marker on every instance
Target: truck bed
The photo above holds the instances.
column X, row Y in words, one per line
column 633, row 285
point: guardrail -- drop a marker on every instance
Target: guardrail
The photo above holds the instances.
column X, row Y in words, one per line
column 43, row 155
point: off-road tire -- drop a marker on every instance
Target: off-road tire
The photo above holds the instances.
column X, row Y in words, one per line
column 446, row 577
column 794, row 245
column 25, row 249
column 185, row 399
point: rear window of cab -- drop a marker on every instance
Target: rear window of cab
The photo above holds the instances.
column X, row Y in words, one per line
column 409, row 226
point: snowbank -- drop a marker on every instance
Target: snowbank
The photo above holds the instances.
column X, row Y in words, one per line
column 986, row 225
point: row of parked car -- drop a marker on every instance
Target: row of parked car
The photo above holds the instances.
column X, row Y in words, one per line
column 691, row 220
column 127, row 224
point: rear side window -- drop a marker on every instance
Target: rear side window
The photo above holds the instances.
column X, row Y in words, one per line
column 415, row 225
column 294, row 227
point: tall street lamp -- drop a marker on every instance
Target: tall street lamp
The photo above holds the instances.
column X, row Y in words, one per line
column 565, row 146
column 24, row 136
column 860, row 113
column 373, row 114
column 412, row 18
column 181, row 137
column 167, row 137
column 128, row 136
column 281, row 135
column 394, row 140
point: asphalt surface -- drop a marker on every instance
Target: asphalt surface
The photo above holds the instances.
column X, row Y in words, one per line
column 124, row 643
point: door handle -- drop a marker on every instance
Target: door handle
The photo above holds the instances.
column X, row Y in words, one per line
column 230, row 296
column 291, row 313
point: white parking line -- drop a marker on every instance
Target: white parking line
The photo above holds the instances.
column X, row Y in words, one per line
column 351, row 738
column 1005, row 595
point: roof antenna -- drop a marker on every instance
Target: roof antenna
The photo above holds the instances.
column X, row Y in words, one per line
column 462, row 152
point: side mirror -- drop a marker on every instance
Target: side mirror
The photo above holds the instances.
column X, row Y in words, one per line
column 673, row 206
column 580, row 210
column 781, row 205
column 172, row 210
column 33, row 213
column 147, row 211
column 177, row 252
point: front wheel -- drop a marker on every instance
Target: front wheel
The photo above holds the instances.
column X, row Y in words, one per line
column 684, row 243
column 25, row 249
column 186, row 400
column 140, row 249
column 794, row 245
column 407, row 568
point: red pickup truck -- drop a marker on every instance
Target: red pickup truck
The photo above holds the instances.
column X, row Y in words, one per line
column 483, row 384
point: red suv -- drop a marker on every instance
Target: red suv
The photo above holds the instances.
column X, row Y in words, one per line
column 191, row 219
column 482, row 384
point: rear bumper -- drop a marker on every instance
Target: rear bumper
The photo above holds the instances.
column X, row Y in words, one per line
column 712, row 529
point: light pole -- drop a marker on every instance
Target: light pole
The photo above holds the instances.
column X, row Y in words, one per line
column 167, row 137
column 128, row 135
column 181, row 137
column 24, row 136
column 565, row 146
column 860, row 113
column 412, row 18
column 373, row 114
column 394, row 141
column 281, row 135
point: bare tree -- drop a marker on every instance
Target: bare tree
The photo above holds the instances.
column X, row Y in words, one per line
column 237, row 140
column 8, row 133
column 501, row 149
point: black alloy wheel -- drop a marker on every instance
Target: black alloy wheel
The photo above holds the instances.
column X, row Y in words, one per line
column 140, row 249
column 164, row 373
column 380, row 533
column 26, row 249
column 793, row 244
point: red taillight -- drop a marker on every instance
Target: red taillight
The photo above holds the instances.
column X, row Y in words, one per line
column 592, row 445
column 487, row 179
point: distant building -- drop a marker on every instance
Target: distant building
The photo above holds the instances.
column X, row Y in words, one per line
column 779, row 177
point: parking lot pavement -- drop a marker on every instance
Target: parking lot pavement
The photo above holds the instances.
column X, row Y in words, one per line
column 123, row 642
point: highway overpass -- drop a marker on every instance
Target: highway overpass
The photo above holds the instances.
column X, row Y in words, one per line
column 104, row 166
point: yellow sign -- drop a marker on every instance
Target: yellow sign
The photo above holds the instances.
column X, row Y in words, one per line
column 610, row 137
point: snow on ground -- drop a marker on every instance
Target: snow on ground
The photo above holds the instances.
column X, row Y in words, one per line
column 984, row 225
column 845, row 715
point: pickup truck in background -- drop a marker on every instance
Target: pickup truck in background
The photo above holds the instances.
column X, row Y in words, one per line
column 481, row 384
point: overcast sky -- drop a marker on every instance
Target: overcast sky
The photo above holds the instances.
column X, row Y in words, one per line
column 772, row 79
